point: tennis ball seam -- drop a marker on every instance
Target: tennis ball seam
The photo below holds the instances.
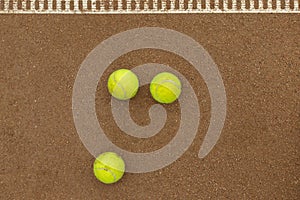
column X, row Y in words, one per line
column 166, row 81
column 123, row 84
column 109, row 167
column 119, row 85
column 108, row 170
column 165, row 87
column 160, row 84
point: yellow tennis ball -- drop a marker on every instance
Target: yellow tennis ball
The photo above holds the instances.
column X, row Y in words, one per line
column 123, row 84
column 109, row 167
column 165, row 87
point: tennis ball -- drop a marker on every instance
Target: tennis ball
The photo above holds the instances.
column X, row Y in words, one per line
column 165, row 87
column 109, row 167
column 123, row 84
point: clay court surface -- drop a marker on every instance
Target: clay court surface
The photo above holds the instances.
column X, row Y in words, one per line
column 256, row 157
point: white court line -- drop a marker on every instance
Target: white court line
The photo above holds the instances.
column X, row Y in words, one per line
column 260, row 5
column 172, row 6
column 164, row 5
column 32, row 5
column 111, row 6
column 146, row 7
column 234, row 5
column 67, row 5
column 15, row 5
column 41, row 5
column 278, row 4
column 146, row 10
column 190, row 5
column 269, row 4
column 129, row 5
column 84, row 5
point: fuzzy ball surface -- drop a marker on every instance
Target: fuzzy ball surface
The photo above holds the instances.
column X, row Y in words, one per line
column 123, row 84
column 165, row 87
column 109, row 167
